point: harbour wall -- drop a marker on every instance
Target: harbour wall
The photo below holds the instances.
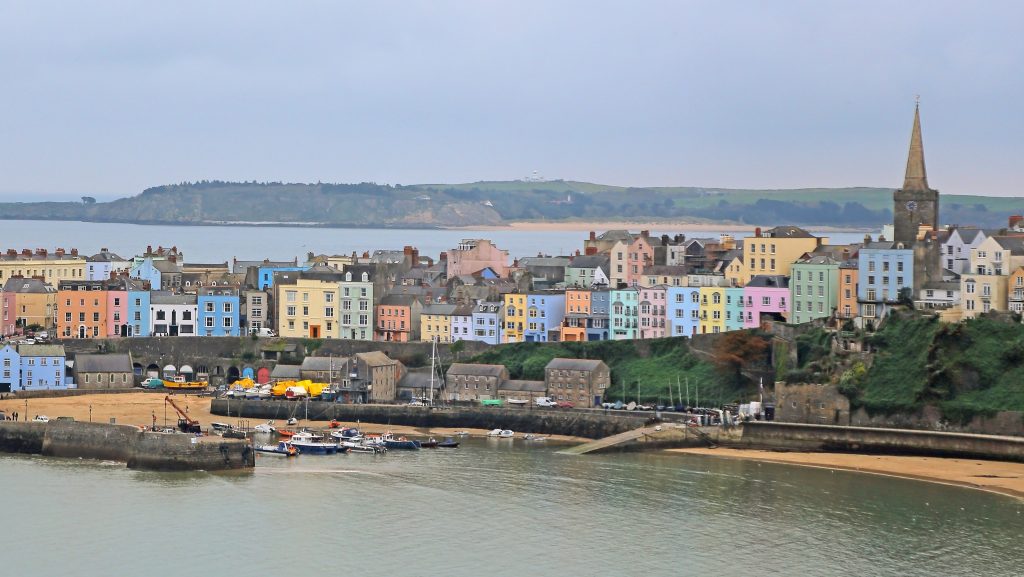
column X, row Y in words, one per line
column 804, row 437
column 552, row 422
column 127, row 444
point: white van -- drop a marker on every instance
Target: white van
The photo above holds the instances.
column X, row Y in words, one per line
column 544, row 402
column 264, row 332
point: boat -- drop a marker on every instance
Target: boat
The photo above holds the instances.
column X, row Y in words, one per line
column 285, row 432
column 334, row 424
column 234, row 434
column 448, row 443
column 347, row 434
column 267, row 427
column 494, row 433
column 460, row 434
column 393, row 442
column 306, row 444
column 430, row 443
column 179, row 383
column 535, row 438
column 282, row 448
column 41, row 419
column 357, row 447
column 518, row 401
column 292, row 421
column 506, row 434
column 296, row 392
column 221, row 427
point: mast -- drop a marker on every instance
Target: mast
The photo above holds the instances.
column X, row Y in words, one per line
column 433, row 357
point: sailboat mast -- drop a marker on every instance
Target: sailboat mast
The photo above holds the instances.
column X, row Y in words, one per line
column 433, row 357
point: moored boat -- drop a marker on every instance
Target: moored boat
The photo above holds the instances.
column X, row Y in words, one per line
column 494, row 433
column 392, row 442
column 282, row 449
column 221, row 427
column 448, row 443
column 430, row 443
column 357, row 447
column 531, row 437
column 267, row 427
column 307, row 444
column 506, row 434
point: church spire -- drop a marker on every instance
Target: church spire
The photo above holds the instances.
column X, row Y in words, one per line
column 916, row 178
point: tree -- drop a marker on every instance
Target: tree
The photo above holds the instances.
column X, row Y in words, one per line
column 736, row 350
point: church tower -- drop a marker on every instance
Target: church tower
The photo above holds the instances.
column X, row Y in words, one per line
column 915, row 204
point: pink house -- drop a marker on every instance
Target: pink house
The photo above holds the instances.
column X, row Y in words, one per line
column 474, row 255
column 766, row 295
column 117, row 310
column 652, row 312
column 640, row 255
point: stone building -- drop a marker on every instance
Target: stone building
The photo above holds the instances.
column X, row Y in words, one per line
column 811, row 404
column 521, row 390
column 579, row 381
column 113, row 371
column 473, row 382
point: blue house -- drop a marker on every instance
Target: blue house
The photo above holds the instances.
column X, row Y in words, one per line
column 884, row 270
column 42, row 367
column 544, row 312
column 10, row 369
column 487, row 319
column 146, row 270
column 265, row 274
column 683, row 310
column 218, row 311
column 138, row 308
column 600, row 307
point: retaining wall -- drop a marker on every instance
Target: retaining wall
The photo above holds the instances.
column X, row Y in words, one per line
column 795, row 436
column 552, row 422
column 140, row 450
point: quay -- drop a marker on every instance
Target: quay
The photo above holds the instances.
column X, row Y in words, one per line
column 138, row 449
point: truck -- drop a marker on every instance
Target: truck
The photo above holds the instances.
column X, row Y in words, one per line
column 544, row 402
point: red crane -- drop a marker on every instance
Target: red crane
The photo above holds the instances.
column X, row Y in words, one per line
column 186, row 424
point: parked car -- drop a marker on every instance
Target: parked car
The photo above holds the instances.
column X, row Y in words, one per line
column 564, row 405
column 264, row 332
column 415, row 403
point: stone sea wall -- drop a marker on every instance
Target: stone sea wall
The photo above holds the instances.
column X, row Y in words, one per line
column 138, row 449
column 796, row 436
column 553, row 422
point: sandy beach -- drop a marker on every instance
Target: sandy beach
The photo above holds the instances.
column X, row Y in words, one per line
column 660, row 226
column 139, row 408
column 996, row 476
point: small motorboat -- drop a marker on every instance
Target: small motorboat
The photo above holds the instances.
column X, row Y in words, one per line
column 448, row 443
column 518, row 401
column 285, row 433
column 221, row 427
column 347, row 434
column 460, row 434
column 233, row 434
column 281, row 449
column 494, row 433
column 334, row 424
column 535, row 438
column 506, row 434
column 356, row 447
column 430, row 443
column 267, row 427
column 307, row 444
column 292, row 421
column 41, row 419
column 393, row 442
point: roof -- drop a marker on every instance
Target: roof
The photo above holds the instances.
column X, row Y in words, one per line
column 525, row 386
column 555, row 261
column 476, row 369
column 105, row 256
column 488, row 307
column 1014, row 244
column 376, row 358
column 445, row 310
column 322, row 364
column 26, row 286
column 616, row 235
column 418, row 380
column 589, row 261
column 166, row 266
column 787, row 231
column 462, row 311
column 665, row 270
column 398, row 300
column 916, row 177
column 769, row 281
column 112, row 363
column 818, row 259
column 41, row 350
column 575, row 364
column 167, row 298
column 285, row 372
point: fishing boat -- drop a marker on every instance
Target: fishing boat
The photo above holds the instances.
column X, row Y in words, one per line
column 430, row 443
column 393, row 442
column 282, row 449
column 267, row 427
column 347, row 434
column 307, row 444
column 285, row 433
column 179, row 383
column 292, row 421
column 448, row 443
column 506, row 434
column 357, row 447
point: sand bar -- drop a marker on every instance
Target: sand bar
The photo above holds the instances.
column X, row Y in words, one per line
column 996, row 476
column 139, row 408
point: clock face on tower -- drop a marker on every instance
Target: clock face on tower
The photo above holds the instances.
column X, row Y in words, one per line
column 911, row 205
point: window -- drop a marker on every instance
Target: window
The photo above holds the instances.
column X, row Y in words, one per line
column 290, row 311
column 290, row 296
column 328, row 297
column 227, row 307
column 209, row 322
column 226, row 322
column 209, row 307
column 765, row 300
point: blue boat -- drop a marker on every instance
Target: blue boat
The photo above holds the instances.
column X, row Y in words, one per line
column 282, row 448
column 392, row 442
column 307, row 444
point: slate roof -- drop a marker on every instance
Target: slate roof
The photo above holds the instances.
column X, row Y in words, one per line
column 95, row 363
column 589, row 261
column 166, row 298
column 575, row 364
column 41, row 350
column 322, row 364
column 285, row 372
column 476, row 369
column 525, row 386
column 445, row 310
column 375, row 359
column 769, row 281
column 788, row 231
column 27, row 286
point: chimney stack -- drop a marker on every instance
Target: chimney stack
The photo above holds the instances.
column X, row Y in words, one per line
column 757, row 232
column 593, row 235
column 591, row 250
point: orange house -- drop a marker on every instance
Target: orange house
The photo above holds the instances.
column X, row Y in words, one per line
column 82, row 309
column 577, row 309
column 397, row 319
column 846, row 304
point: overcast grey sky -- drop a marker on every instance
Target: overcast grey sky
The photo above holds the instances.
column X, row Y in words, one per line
column 108, row 98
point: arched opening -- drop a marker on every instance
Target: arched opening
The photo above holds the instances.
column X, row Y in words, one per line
column 137, row 369
column 248, row 373
column 170, row 371
column 232, row 374
column 153, row 371
column 263, row 375
column 186, row 371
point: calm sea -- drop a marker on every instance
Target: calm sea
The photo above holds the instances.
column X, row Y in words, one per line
column 208, row 244
column 497, row 508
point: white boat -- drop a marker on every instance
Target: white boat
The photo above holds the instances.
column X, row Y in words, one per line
column 267, row 427
column 357, row 447
column 460, row 434
column 296, row 392
column 221, row 427
column 265, row 393
column 506, row 434
column 281, row 449
column 518, row 401
column 311, row 444
column 494, row 433
column 293, row 421
column 41, row 419
column 535, row 438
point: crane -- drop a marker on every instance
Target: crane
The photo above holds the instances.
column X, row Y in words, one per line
column 185, row 423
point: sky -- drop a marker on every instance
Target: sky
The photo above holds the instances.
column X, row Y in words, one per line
column 109, row 98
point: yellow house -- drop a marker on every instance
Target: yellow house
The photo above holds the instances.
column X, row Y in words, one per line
column 986, row 286
column 515, row 317
column 773, row 251
column 307, row 305
column 52, row 267
column 28, row 302
column 712, row 309
column 736, row 272
column 436, row 323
